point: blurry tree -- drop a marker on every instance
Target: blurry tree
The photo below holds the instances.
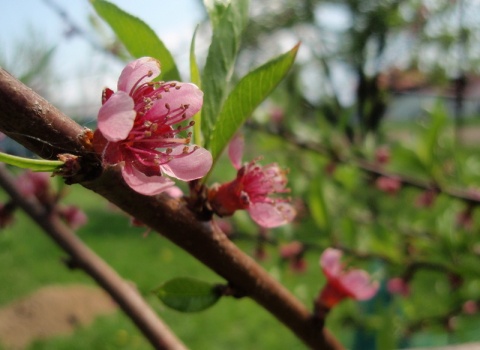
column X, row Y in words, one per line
column 352, row 47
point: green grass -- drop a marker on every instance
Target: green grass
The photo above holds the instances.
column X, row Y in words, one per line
column 30, row 260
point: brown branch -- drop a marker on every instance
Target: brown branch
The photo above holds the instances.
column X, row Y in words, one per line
column 20, row 107
column 159, row 335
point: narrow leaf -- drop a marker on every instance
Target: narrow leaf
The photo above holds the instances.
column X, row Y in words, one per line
column 139, row 39
column 32, row 164
column 187, row 294
column 195, row 78
column 246, row 96
column 318, row 205
column 228, row 26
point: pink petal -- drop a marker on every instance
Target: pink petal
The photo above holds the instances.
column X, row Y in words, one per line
column 174, row 192
column 270, row 215
column 138, row 72
column 330, row 262
column 147, row 185
column 116, row 117
column 359, row 284
column 183, row 94
column 190, row 167
column 235, row 150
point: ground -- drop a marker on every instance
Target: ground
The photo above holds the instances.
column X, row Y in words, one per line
column 51, row 311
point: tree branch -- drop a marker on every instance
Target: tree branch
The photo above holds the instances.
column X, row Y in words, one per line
column 159, row 335
column 170, row 217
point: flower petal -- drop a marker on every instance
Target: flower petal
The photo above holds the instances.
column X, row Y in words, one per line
column 235, row 150
column 174, row 192
column 359, row 284
column 147, row 185
column 138, row 72
column 116, row 117
column 190, row 167
column 269, row 215
column 330, row 262
column 184, row 94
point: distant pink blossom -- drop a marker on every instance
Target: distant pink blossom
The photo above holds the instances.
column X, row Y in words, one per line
column 465, row 218
column 139, row 128
column 254, row 190
column 291, row 250
column 343, row 283
column 426, row 199
column 382, row 155
column 73, row 216
column 389, row 185
column 398, row 286
column 35, row 184
column 470, row 307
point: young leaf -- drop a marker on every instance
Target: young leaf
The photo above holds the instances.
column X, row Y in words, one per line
column 32, row 164
column 187, row 294
column 318, row 205
column 246, row 96
column 228, row 26
column 195, row 78
column 139, row 39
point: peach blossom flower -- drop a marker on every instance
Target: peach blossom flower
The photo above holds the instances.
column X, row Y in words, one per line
column 253, row 190
column 343, row 283
column 139, row 128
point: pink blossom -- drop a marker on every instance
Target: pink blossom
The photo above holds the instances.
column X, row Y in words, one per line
column 73, row 216
column 343, row 283
column 252, row 190
column 470, row 307
column 139, row 128
column 34, row 184
column 291, row 250
column 398, row 286
column 389, row 185
column 426, row 199
column 382, row 155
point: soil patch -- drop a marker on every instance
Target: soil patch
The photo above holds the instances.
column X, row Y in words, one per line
column 51, row 311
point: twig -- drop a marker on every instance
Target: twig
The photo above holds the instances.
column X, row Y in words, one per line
column 159, row 335
column 170, row 217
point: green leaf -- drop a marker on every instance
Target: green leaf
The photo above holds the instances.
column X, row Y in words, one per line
column 318, row 205
column 187, row 294
column 32, row 164
column 40, row 64
column 139, row 39
column 246, row 96
column 228, row 26
column 196, row 79
column 429, row 143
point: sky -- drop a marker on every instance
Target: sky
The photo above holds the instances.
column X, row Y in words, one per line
column 82, row 72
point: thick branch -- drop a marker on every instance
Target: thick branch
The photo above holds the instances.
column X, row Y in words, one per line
column 168, row 216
